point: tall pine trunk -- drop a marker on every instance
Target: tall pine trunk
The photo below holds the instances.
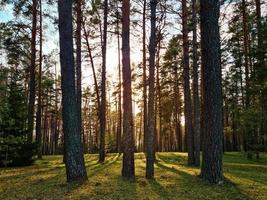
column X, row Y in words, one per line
column 119, row 129
column 32, row 72
column 128, row 168
column 39, row 104
column 74, row 160
column 211, row 169
column 79, row 60
column 150, row 136
column 196, row 101
column 144, row 73
column 103, row 88
column 187, row 93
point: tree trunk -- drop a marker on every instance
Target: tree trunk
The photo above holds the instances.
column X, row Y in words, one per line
column 151, row 100
column 246, row 49
column 177, row 113
column 211, row 169
column 196, row 101
column 144, row 74
column 187, row 93
column 39, row 105
column 119, row 69
column 79, row 60
column 74, row 160
column 128, row 169
column 103, row 88
column 32, row 72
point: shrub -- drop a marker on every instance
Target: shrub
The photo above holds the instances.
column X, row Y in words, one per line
column 16, row 151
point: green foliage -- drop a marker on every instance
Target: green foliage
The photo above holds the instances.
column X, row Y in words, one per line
column 15, row 151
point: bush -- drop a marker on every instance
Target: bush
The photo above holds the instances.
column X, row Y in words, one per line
column 16, row 151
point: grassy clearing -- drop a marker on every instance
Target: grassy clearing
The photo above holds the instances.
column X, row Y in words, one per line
column 174, row 180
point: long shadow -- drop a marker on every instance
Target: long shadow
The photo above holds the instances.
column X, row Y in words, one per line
column 157, row 188
column 197, row 180
column 100, row 166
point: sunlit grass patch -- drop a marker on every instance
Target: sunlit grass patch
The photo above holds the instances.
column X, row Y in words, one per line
column 173, row 180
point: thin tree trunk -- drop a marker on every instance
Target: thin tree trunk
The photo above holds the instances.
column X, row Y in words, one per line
column 92, row 64
column 211, row 169
column 39, row 105
column 187, row 94
column 32, row 72
column 120, row 85
column 177, row 105
column 144, row 74
column 246, row 50
column 103, row 88
column 196, row 101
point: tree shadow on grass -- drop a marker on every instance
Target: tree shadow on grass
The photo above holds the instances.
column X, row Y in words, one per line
column 193, row 185
column 159, row 189
column 94, row 169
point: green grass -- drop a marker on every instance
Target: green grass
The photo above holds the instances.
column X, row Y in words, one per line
column 173, row 180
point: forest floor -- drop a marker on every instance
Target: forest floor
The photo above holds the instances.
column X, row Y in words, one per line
column 173, row 180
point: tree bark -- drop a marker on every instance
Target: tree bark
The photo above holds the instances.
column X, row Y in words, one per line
column 39, row 104
column 32, row 72
column 187, row 93
column 74, row 160
column 119, row 103
column 103, row 88
column 246, row 49
column 150, row 145
column 144, row 74
column 79, row 60
column 211, row 169
column 128, row 169
column 196, row 101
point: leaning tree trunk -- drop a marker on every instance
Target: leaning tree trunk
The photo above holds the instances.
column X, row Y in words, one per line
column 187, row 93
column 74, row 160
column 150, row 145
column 32, row 71
column 103, row 88
column 128, row 137
column 211, row 169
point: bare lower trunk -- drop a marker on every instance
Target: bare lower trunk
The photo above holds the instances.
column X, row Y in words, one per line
column 211, row 169
column 128, row 169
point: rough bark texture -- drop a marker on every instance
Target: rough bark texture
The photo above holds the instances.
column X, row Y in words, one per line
column 211, row 169
column 79, row 59
column 144, row 74
column 32, row 72
column 103, row 88
column 119, row 96
column 150, row 136
column 246, row 49
column 39, row 104
column 74, row 160
column 187, row 93
column 196, row 101
column 128, row 169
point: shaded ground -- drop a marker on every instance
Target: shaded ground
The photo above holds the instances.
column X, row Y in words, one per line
column 173, row 180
